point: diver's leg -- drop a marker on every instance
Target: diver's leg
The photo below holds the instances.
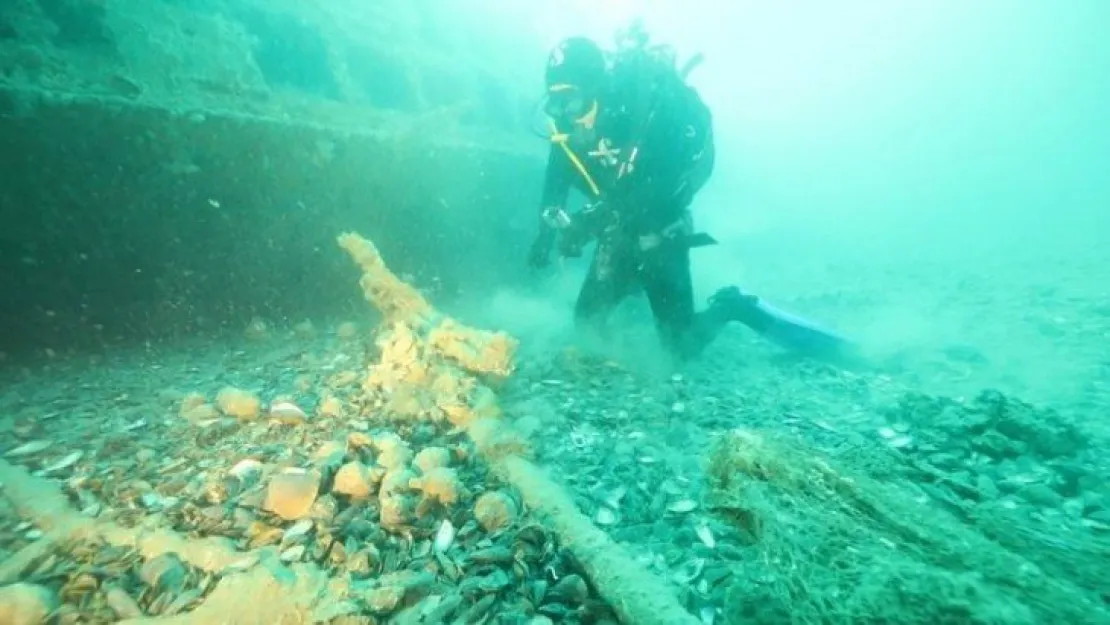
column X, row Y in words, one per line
column 670, row 290
column 606, row 284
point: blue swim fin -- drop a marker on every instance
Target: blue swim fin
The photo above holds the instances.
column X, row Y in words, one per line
column 786, row 329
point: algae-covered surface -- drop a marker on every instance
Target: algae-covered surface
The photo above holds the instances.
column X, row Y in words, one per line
column 380, row 471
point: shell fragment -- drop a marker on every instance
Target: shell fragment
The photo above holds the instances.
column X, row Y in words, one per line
column 682, row 506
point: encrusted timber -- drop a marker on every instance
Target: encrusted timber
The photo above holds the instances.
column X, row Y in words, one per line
column 477, row 352
column 637, row 596
column 277, row 594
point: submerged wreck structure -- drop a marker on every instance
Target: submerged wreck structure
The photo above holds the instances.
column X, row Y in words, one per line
column 197, row 137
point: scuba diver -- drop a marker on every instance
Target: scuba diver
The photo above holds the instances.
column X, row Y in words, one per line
column 629, row 133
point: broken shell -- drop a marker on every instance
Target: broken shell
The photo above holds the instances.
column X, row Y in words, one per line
column 33, row 447
column 293, row 554
column 288, row 413
column 66, row 462
column 900, row 442
column 614, row 499
column 689, row 571
column 887, row 433
column 669, row 488
column 291, row 493
column 605, row 516
column 246, row 471
column 682, row 506
column 297, row 532
column 445, row 536
column 705, row 535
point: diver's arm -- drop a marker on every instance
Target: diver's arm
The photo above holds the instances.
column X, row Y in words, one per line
column 556, row 188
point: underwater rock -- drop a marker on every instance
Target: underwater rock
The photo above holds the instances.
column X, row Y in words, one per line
column 393, row 451
column 441, row 484
column 431, row 458
column 354, row 480
column 242, row 405
column 396, row 511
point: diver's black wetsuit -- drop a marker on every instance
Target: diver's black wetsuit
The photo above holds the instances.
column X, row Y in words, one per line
column 666, row 125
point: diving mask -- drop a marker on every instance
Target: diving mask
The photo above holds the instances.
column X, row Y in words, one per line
column 568, row 103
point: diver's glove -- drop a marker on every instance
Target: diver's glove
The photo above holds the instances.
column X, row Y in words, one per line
column 540, row 254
